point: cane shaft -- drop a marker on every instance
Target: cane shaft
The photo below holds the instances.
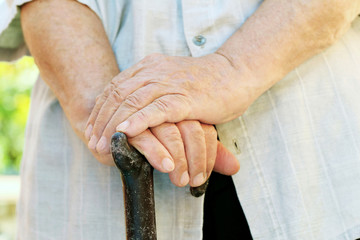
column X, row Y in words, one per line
column 137, row 177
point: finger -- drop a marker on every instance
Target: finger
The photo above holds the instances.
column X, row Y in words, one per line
column 94, row 113
column 130, row 105
column 110, row 105
column 119, row 80
column 168, row 108
column 154, row 151
column 144, row 96
column 211, row 147
column 169, row 136
column 107, row 110
column 225, row 163
column 194, row 141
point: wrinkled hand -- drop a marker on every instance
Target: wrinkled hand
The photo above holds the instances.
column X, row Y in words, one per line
column 162, row 89
column 188, row 151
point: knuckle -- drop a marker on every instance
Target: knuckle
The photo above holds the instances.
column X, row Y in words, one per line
column 162, row 104
column 117, row 95
column 142, row 115
column 132, row 101
column 109, row 88
column 197, row 166
column 169, row 135
column 172, row 135
column 98, row 97
column 166, row 129
column 180, row 159
column 113, row 84
column 196, row 130
column 176, row 148
column 100, row 125
column 181, row 162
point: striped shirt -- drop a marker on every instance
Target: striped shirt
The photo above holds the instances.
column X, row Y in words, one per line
column 298, row 144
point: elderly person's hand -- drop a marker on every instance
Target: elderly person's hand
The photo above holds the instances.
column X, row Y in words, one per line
column 174, row 88
column 169, row 89
column 188, row 151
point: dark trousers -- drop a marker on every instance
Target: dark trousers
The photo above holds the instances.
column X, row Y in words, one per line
column 224, row 218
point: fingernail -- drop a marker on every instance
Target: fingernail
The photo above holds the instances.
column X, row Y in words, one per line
column 100, row 147
column 199, row 179
column 122, row 126
column 88, row 132
column 184, row 180
column 168, row 165
column 92, row 142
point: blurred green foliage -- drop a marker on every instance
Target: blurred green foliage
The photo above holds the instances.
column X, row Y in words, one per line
column 16, row 80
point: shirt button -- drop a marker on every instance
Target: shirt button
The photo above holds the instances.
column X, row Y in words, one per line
column 199, row 40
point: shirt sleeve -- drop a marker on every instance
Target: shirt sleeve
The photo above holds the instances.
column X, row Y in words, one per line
column 12, row 43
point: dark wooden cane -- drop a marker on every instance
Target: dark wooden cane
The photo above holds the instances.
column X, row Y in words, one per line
column 137, row 177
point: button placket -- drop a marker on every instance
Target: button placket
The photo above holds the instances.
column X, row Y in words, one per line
column 197, row 27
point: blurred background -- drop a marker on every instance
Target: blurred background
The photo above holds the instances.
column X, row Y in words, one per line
column 16, row 81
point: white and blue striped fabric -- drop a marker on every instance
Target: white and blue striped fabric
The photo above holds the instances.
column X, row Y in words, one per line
column 298, row 144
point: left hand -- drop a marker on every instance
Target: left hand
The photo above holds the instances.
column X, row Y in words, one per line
column 163, row 88
column 189, row 151
column 191, row 146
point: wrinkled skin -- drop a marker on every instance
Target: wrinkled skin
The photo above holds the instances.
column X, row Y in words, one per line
column 160, row 91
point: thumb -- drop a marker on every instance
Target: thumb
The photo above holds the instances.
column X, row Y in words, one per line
column 225, row 163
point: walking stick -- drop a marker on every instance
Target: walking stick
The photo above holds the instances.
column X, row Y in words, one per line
column 138, row 185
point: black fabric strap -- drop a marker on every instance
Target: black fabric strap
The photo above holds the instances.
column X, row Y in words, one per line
column 223, row 215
